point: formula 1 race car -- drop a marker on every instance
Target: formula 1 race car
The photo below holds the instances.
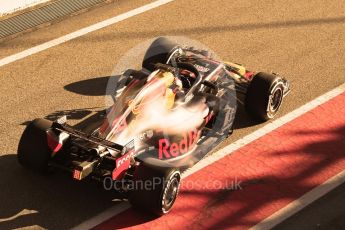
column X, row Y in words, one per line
column 166, row 118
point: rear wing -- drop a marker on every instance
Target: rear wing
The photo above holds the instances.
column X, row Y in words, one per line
column 88, row 137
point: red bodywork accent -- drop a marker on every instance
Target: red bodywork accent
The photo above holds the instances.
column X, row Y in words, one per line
column 53, row 143
column 208, row 118
column 77, row 174
column 249, row 75
column 122, row 164
column 122, row 125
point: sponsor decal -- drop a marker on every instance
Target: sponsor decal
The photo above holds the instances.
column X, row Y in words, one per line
column 122, row 164
column 167, row 150
column 77, row 174
column 146, row 135
column 130, row 145
column 201, row 68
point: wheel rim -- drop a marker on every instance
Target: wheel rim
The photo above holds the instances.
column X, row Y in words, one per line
column 171, row 193
column 275, row 100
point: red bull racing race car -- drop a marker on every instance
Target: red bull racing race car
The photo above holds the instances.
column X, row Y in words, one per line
column 166, row 118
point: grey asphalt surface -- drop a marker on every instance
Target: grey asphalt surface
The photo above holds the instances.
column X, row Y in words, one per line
column 303, row 41
column 326, row 213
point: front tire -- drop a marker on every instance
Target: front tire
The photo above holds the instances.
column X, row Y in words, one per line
column 160, row 51
column 33, row 150
column 264, row 96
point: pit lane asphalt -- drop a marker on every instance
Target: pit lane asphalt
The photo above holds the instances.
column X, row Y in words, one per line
column 300, row 40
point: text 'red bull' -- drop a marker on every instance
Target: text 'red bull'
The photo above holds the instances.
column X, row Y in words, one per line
column 168, row 150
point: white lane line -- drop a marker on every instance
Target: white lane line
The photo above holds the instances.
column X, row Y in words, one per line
column 83, row 31
column 106, row 215
column 283, row 213
column 300, row 203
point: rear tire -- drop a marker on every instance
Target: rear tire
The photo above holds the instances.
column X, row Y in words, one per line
column 159, row 51
column 33, row 150
column 160, row 197
column 264, row 96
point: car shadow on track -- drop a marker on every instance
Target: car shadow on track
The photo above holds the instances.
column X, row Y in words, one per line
column 95, row 86
column 243, row 119
column 73, row 114
column 214, row 29
column 90, row 87
column 53, row 200
column 149, row 33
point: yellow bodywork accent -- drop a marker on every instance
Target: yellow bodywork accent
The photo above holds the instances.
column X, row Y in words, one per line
column 240, row 69
column 169, row 98
column 168, row 78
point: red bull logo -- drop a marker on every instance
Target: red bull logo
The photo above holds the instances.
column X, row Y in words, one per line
column 168, row 150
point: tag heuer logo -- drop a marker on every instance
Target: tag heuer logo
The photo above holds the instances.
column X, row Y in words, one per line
column 201, row 68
